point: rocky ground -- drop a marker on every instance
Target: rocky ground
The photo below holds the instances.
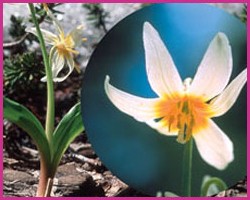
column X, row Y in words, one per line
column 80, row 173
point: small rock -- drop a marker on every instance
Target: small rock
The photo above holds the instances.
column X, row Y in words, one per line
column 66, row 169
column 18, row 183
column 74, row 180
column 18, row 176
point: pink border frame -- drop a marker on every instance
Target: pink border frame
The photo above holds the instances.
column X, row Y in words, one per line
column 114, row 1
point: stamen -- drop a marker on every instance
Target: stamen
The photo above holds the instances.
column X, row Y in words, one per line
column 72, row 51
column 77, row 68
column 170, row 121
column 185, row 115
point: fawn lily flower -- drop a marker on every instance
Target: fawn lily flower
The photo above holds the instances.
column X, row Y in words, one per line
column 184, row 109
column 63, row 47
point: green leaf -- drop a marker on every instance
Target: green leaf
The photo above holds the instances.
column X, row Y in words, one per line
column 212, row 185
column 22, row 117
column 67, row 130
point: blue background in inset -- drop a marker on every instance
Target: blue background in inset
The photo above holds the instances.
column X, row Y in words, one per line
column 137, row 154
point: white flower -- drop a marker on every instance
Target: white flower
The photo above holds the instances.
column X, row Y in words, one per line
column 63, row 48
column 185, row 108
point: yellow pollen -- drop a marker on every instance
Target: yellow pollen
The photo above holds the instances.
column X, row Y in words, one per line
column 184, row 114
column 65, row 45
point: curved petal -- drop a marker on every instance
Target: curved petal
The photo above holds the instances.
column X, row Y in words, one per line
column 141, row 109
column 162, row 74
column 222, row 103
column 57, row 66
column 214, row 146
column 76, row 35
column 49, row 37
column 57, row 63
column 55, row 22
column 70, row 63
column 215, row 69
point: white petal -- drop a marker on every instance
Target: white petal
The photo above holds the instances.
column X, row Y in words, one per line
column 57, row 63
column 76, row 35
column 49, row 37
column 222, row 103
column 162, row 74
column 70, row 64
column 215, row 69
column 44, row 79
column 214, row 146
column 55, row 21
column 141, row 109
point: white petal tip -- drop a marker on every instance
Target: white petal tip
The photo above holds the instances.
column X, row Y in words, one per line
column 222, row 39
column 222, row 165
column 147, row 27
column 221, row 34
column 106, row 84
column 107, row 78
column 55, row 80
column 80, row 27
column 27, row 29
column 44, row 79
column 226, row 159
column 244, row 72
column 214, row 146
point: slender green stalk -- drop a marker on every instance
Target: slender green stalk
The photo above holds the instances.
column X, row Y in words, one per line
column 46, row 175
column 50, row 116
column 187, row 168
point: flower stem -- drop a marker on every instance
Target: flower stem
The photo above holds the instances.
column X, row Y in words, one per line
column 187, row 168
column 46, row 175
column 43, row 178
column 50, row 116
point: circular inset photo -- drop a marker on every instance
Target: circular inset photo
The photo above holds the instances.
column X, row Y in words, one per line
column 164, row 100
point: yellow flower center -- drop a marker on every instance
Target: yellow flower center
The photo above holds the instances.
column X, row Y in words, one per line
column 65, row 45
column 184, row 114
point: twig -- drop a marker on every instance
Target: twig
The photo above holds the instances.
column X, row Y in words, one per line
column 15, row 43
column 84, row 159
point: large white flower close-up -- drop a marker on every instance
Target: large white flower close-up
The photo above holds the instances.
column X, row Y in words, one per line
column 184, row 108
column 63, row 48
